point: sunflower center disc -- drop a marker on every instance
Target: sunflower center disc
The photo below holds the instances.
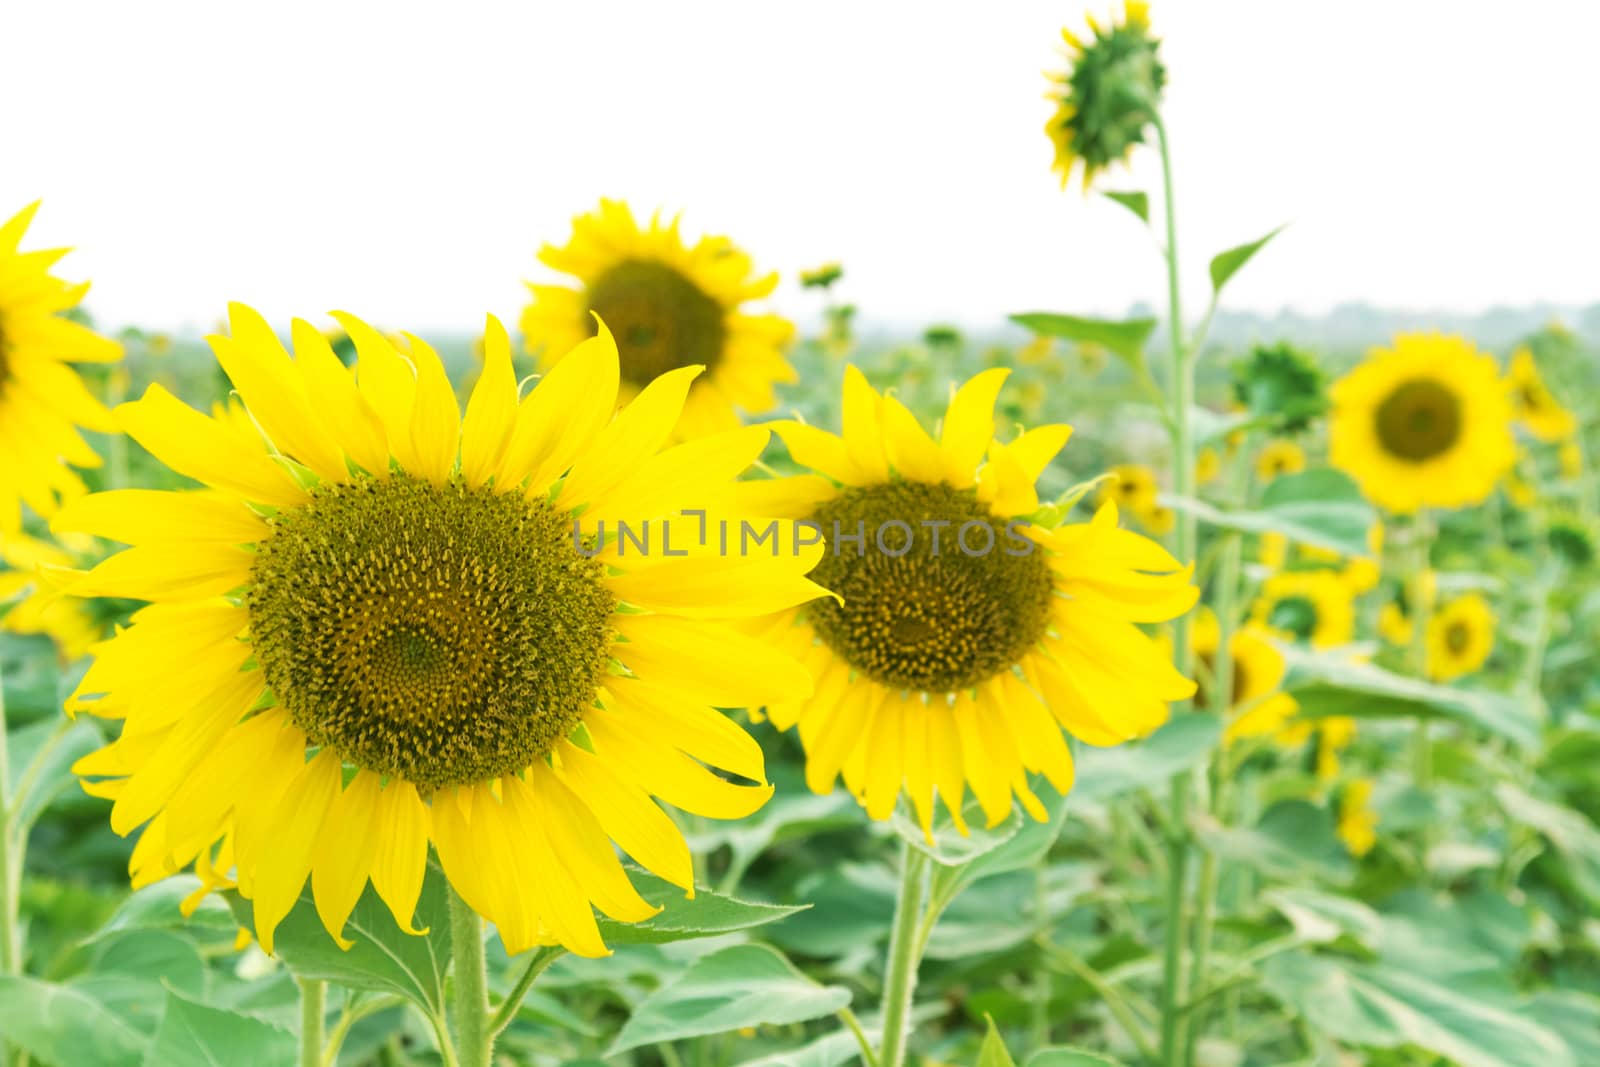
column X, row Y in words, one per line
column 1237, row 687
column 443, row 634
column 1296, row 615
column 661, row 320
column 1420, row 420
column 1457, row 637
column 936, row 600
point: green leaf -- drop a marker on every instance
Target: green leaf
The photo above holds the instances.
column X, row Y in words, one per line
column 132, row 973
column 1226, row 264
column 1138, row 203
column 1184, row 742
column 1320, row 917
column 707, row 915
column 155, row 907
column 52, row 774
column 1066, row 1056
column 1025, row 846
column 384, row 957
column 1293, row 840
column 1383, row 1007
column 1320, row 507
column 1573, row 1015
column 743, row 985
column 1572, row 834
column 999, row 912
column 950, row 847
column 1327, row 684
column 992, row 1053
column 62, row 1027
column 193, row 1035
column 1126, row 339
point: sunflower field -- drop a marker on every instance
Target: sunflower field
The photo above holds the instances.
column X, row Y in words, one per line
column 646, row 680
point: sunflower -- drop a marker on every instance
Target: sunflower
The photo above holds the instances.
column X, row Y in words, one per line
column 1207, row 465
column 1279, row 458
column 670, row 305
column 1257, row 704
column 1312, row 606
column 1532, row 403
column 1394, row 625
column 402, row 595
column 1108, row 99
column 35, row 607
column 1422, row 424
column 1132, row 488
column 43, row 402
column 1358, row 821
column 1460, row 637
column 966, row 638
column 1570, row 458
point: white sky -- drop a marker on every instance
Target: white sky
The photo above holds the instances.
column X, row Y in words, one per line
column 406, row 162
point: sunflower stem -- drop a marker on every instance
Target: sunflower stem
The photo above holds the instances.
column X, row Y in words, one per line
column 542, row 959
column 900, row 974
column 1181, row 383
column 10, row 861
column 470, row 1004
column 1421, row 604
column 313, row 1006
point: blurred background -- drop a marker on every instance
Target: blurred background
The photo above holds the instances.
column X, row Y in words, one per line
column 384, row 159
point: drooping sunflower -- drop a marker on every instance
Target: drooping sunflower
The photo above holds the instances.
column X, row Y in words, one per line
column 1257, row 704
column 43, row 402
column 1107, row 101
column 381, row 627
column 1532, row 402
column 966, row 638
column 1460, row 637
column 1278, row 458
column 1314, row 606
column 670, row 304
column 1422, row 424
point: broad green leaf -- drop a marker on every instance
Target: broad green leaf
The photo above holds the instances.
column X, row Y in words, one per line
column 1328, row 684
column 794, row 812
column 950, row 847
column 193, row 1035
column 852, row 909
column 384, row 957
column 1226, row 264
column 1022, row 849
column 1293, row 840
column 155, row 907
column 63, row 745
column 1184, row 742
column 1125, row 339
column 1138, row 203
column 1573, row 835
column 707, row 915
column 1320, row 917
column 1384, row 1007
column 1575, row 1016
column 1000, row 912
column 1064, row 1056
column 992, row 1053
column 742, row 985
column 62, row 1027
column 132, row 973
column 1320, row 507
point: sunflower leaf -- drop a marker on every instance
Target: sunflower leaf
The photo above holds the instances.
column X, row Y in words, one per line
column 194, row 1035
column 707, row 915
column 1318, row 507
column 1126, row 339
column 732, row 988
column 992, row 1053
column 57, row 1024
column 1138, row 203
column 1226, row 264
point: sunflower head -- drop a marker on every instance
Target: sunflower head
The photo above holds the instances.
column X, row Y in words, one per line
column 1108, row 99
column 966, row 638
column 386, row 625
column 1313, row 606
column 43, row 402
column 1132, row 487
column 1533, row 405
column 670, row 304
column 1460, row 637
column 1424, row 423
column 1255, row 676
column 1278, row 458
column 1358, row 821
column 1281, row 384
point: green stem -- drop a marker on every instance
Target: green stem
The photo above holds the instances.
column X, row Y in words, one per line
column 1115, row 1002
column 900, row 976
column 542, row 959
column 1421, row 604
column 853, row 1024
column 1041, row 980
column 348, row 1019
column 11, row 846
column 313, row 1006
column 470, row 1004
column 1181, row 382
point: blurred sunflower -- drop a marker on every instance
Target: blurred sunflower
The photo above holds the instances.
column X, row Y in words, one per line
column 1358, row 821
column 1422, row 424
column 1311, row 606
column 1394, row 625
column 35, row 606
column 1279, row 458
column 402, row 592
column 669, row 304
column 966, row 638
column 1109, row 97
column 43, row 402
column 1532, row 403
column 1207, row 465
column 1570, row 458
column 1460, row 637
column 1257, row 705
column 1273, row 550
column 1132, row 487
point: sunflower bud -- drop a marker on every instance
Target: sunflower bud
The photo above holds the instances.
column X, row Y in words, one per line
column 1281, row 383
